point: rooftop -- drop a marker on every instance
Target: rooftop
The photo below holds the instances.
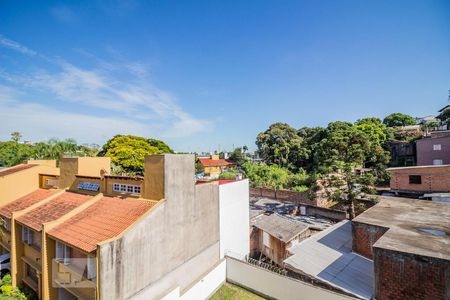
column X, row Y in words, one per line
column 52, row 210
column 418, row 227
column 12, row 170
column 417, row 167
column 260, row 205
column 103, row 220
column 208, row 162
column 328, row 256
column 25, row 202
column 278, row 226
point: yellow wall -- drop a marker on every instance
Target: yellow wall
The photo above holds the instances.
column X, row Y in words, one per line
column 154, row 177
column 21, row 183
column 43, row 162
column 87, row 166
column 109, row 186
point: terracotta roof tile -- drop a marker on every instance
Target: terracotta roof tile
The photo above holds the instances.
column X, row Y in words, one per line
column 15, row 169
column 101, row 221
column 52, row 210
column 25, row 202
column 208, row 162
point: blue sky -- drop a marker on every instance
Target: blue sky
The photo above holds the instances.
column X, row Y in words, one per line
column 199, row 74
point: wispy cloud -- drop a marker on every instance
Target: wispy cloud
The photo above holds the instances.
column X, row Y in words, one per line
column 10, row 44
column 121, row 89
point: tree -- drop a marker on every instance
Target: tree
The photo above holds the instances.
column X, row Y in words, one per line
column 399, row 119
column 343, row 144
column 262, row 175
column 280, row 145
column 13, row 153
column 127, row 152
column 244, row 148
column 346, row 187
column 444, row 116
column 237, row 156
column 16, row 136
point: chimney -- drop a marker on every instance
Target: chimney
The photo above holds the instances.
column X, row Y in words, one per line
column 88, row 166
column 169, row 176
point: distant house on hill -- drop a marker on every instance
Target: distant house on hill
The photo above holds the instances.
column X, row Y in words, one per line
column 213, row 165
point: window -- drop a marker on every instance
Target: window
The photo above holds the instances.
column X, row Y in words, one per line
column 437, row 147
column 27, row 235
column 437, row 162
column 127, row 188
column 266, row 239
column 63, row 253
column 415, row 179
column 31, row 273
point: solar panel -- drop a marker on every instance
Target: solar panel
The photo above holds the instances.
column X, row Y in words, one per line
column 89, row 186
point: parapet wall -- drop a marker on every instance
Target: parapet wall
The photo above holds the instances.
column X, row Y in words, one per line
column 364, row 236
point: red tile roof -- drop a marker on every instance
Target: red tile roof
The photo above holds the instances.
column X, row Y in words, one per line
column 25, row 202
column 103, row 220
column 208, row 162
column 15, row 169
column 52, row 210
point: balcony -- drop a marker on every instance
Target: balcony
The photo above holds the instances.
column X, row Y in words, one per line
column 73, row 279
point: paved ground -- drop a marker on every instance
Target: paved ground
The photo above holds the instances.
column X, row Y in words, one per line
column 232, row 292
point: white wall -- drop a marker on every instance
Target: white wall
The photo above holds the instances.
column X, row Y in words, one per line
column 234, row 218
column 204, row 287
column 274, row 285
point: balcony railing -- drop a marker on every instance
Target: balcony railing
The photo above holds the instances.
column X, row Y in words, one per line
column 73, row 279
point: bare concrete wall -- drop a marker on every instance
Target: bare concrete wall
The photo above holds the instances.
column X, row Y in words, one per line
column 183, row 226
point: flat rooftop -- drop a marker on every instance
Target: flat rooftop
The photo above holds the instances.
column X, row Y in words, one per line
column 52, row 210
column 25, row 202
column 101, row 221
column 417, row 227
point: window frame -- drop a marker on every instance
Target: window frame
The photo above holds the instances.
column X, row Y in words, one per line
column 415, row 179
column 437, row 147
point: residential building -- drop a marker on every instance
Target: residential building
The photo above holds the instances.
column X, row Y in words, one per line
column 398, row 249
column 276, row 227
column 86, row 234
column 418, row 180
column 24, row 176
column 434, row 149
column 402, row 154
column 213, row 166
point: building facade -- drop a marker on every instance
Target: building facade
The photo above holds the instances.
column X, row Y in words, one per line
column 433, row 150
column 419, row 180
column 85, row 234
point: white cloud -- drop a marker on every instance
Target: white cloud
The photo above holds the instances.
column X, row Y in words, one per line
column 119, row 89
column 10, row 44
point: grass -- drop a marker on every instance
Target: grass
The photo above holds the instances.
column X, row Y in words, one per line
column 232, row 292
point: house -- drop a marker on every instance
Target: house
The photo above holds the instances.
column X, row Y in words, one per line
column 418, row 180
column 276, row 227
column 397, row 249
column 86, row 234
column 434, row 149
column 402, row 154
column 213, row 165
column 273, row 235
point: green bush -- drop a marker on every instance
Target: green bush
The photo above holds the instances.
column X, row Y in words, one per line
column 229, row 175
column 9, row 292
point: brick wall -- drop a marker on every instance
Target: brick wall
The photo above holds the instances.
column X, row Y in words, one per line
column 364, row 236
column 434, row 179
column 291, row 196
column 400, row 276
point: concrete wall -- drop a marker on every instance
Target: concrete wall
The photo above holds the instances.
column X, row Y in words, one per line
column 234, row 217
column 401, row 276
column 273, row 285
column 434, row 179
column 364, row 236
column 180, row 228
column 426, row 154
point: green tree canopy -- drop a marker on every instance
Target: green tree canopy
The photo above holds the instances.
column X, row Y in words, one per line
column 127, row 152
column 238, row 156
column 399, row 119
column 280, row 145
